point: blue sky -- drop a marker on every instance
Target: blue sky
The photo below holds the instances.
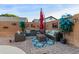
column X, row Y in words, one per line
column 32, row 11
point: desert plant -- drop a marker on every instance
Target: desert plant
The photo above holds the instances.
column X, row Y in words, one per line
column 9, row 15
column 22, row 25
column 66, row 23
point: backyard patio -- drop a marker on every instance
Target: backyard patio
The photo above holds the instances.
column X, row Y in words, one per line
column 28, row 47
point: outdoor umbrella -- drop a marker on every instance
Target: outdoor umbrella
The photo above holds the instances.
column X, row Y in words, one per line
column 41, row 21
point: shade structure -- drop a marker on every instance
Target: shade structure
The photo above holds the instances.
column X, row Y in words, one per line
column 41, row 21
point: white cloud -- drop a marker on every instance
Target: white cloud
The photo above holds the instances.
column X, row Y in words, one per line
column 72, row 10
column 11, row 10
column 57, row 14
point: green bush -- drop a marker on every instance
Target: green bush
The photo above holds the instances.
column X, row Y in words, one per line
column 22, row 25
column 66, row 23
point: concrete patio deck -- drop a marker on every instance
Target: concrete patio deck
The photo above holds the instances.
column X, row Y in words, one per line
column 27, row 46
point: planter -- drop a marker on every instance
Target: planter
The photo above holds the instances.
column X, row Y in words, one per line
column 19, row 37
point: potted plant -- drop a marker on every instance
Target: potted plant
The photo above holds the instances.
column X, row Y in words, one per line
column 21, row 36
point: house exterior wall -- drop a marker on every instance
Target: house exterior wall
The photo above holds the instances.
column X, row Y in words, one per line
column 35, row 25
column 12, row 23
column 32, row 26
column 76, row 34
column 73, row 37
column 12, row 29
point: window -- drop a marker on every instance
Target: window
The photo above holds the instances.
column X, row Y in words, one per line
column 54, row 25
column 32, row 25
column 38, row 26
column 27, row 25
column 5, row 27
column 14, row 24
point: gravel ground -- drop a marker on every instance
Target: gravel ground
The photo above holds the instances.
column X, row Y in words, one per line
column 27, row 46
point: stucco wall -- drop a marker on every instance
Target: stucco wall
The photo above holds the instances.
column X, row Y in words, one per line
column 36, row 25
column 8, row 22
column 10, row 30
column 73, row 37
